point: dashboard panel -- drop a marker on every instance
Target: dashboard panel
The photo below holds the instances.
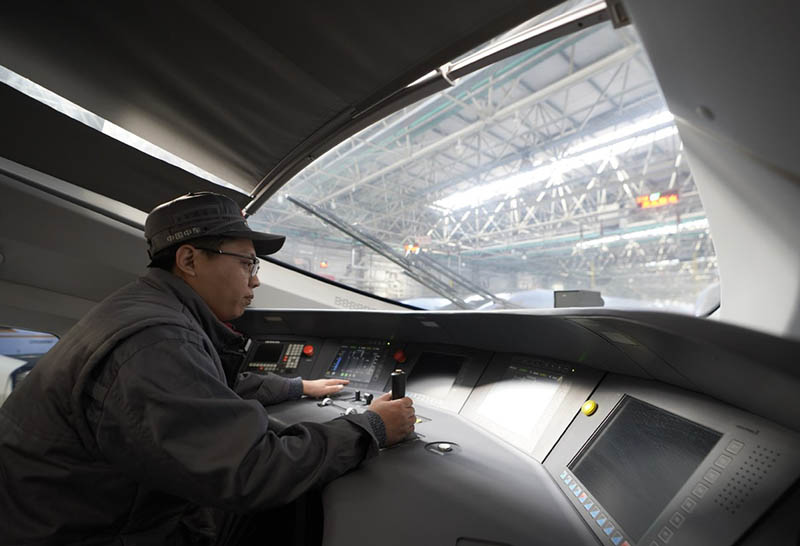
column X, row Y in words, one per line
column 505, row 451
column 286, row 356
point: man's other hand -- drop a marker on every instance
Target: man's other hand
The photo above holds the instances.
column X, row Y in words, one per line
column 319, row 388
column 398, row 416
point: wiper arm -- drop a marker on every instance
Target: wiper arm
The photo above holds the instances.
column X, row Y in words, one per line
column 412, row 268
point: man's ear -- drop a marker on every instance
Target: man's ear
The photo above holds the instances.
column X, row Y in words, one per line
column 185, row 258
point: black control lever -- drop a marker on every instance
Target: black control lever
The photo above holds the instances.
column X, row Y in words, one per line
column 398, row 384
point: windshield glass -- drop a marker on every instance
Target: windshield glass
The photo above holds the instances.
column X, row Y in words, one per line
column 559, row 168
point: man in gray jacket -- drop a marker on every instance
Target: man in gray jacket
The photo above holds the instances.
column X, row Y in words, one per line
column 137, row 428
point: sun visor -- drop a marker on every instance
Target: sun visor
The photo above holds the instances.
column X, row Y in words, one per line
column 43, row 139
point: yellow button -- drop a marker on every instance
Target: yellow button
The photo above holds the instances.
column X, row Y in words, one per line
column 589, row 407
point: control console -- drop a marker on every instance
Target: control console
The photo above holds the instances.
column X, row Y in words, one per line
column 348, row 402
column 290, row 357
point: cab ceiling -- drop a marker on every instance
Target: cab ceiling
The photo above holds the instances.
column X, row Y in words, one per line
column 237, row 88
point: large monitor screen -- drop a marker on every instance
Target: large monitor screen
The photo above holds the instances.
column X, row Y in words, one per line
column 520, row 400
column 434, row 374
column 639, row 460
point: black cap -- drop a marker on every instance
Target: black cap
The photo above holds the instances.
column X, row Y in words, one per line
column 203, row 214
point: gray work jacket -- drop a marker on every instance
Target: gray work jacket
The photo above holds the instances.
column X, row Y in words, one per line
column 129, row 424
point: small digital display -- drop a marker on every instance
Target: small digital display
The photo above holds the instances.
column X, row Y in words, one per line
column 268, row 353
column 521, row 399
column 639, row 460
column 434, row 374
column 356, row 362
column 281, row 357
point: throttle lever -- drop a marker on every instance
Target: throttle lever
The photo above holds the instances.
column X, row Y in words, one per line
column 398, row 384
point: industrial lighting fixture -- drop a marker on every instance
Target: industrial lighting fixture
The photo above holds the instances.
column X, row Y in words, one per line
column 595, row 150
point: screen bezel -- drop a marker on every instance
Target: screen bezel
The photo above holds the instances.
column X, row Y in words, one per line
column 708, row 521
column 611, row 419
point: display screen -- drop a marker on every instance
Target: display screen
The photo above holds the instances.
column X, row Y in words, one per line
column 355, row 362
column 268, row 353
column 520, row 400
column 639, row 460
column 434, row 374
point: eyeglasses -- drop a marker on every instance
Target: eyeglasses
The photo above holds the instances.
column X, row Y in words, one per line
column 253, row 261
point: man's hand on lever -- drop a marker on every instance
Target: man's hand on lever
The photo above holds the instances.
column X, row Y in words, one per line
column 319, row 388
column 398, row 416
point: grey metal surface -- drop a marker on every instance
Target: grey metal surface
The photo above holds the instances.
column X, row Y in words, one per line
column 485, row 490
column 734, row 493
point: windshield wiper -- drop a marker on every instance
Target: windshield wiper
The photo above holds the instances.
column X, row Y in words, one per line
column 420, row 268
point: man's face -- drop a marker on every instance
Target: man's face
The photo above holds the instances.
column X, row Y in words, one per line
column 224, row 281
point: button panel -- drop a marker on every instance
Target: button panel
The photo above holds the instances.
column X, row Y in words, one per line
column 607, row 527
column 292, row 356
column 289, row 361
column 700, row 490
column 723, row 461
column 712, row 475
column 689, row 504
column 734, row 447
column 677, row 519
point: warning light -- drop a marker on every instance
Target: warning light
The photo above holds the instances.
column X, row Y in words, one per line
column 324, row 264
column 656, row 199
column 589, row 407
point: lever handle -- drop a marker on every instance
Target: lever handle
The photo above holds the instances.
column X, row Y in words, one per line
column 398, row 384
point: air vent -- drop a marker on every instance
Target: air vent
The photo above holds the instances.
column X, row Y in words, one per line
column 748, row 476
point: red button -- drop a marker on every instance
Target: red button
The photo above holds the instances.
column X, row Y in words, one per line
column 308, row 350
column 400, row 356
